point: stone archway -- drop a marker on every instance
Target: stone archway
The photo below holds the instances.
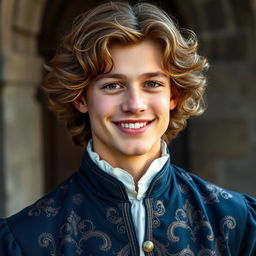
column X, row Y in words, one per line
column 62, row 160
column 221, row 143
column 226, row 31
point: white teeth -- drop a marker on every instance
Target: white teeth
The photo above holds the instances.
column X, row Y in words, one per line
column 133, row 125
column 137, row 125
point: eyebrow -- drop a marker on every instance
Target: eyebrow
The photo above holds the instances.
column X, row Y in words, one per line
column 121, row 76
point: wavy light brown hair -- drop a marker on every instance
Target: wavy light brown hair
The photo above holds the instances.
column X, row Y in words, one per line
column 84, row 55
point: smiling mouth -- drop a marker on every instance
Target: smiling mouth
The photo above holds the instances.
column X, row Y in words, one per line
column 133, row 124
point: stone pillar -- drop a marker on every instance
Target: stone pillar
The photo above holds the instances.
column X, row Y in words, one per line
column 21, row 126
column 21, row 167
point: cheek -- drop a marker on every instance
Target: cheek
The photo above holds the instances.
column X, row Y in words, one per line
column 102, row 107
column 162, row 104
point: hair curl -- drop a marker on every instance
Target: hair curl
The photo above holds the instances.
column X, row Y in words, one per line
column 84, row 54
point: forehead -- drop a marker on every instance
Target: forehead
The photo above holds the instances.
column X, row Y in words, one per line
column 145, row 56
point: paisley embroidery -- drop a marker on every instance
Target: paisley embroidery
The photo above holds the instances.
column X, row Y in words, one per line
column 190, row 219
column 228, row 222
column 113, row 216
column 44, row 206
column 188, row 252
column 162, row 250
column 77, row 198
column 215, row 194
column 47, row 240
column 75, row 231
column 158, row 211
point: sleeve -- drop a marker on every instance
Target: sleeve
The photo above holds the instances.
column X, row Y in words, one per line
column 8, row 245
column 249, row 239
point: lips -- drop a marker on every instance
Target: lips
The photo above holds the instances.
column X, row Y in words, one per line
column 133, row 126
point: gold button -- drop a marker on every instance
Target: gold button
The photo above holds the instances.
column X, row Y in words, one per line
column 148, row 246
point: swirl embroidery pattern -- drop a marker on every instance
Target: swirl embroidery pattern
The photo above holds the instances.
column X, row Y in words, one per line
column 158, row 211
column 190, row 219
column 113, row 216
column 44, row 206
column 193, row 220
column 215, row 194
column 75, row 231
column 46, row 240
column 226, row 224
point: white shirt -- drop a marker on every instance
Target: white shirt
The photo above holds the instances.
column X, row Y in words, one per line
column 136, row 198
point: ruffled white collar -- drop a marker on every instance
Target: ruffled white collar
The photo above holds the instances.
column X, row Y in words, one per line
column 126, row 178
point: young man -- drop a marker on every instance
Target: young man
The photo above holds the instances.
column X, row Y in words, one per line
column 124, row 81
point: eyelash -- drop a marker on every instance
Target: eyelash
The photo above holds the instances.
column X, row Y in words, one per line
column 107, row 86
column 146, row 84
column 159, row 84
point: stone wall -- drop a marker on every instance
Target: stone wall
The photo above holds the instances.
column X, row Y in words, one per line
column 222, row 143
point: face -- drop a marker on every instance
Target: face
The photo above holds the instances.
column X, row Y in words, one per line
column 129, row 107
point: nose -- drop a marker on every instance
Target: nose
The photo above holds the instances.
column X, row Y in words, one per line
column 134, row 101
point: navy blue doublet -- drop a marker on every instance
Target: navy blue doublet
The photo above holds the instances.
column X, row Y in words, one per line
column 89, row 215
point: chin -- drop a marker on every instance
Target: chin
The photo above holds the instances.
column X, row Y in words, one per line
column 136, row 150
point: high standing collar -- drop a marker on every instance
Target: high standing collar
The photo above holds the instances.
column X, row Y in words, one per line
column 107, row 186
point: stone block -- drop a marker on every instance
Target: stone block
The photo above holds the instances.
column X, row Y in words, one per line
column 24, row 44
column 21, row 68
column 29, row 15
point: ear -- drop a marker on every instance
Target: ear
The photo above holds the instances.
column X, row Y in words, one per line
column 174, row 98
column 173, row 102
column 80, row 104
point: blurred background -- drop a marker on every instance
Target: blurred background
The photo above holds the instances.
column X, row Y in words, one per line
column 36, row 152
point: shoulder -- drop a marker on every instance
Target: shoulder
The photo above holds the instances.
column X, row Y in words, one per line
column 47, row 213
column 50, row 204
column 215, row 200
column 8, row 244
column 209, row 193
column 231, row 210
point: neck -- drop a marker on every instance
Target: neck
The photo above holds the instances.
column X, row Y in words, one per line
column 136, row 165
